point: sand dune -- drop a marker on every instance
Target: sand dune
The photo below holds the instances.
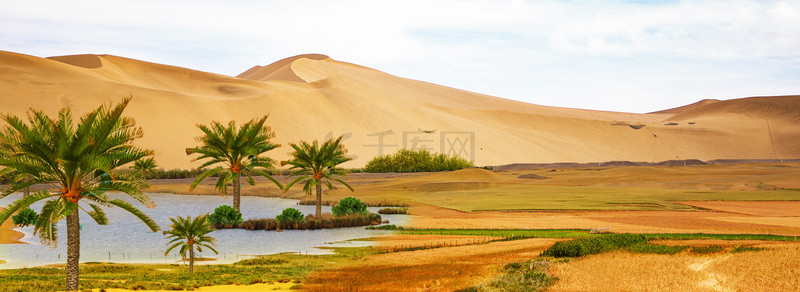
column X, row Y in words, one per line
column 312, row 96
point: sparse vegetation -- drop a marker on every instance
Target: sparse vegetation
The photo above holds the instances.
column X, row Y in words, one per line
column 387, row 211
column 406, row 160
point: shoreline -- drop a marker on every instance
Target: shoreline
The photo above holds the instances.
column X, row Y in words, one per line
column 8, row 235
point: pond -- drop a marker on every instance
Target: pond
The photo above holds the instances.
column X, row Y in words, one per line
column 127, row 240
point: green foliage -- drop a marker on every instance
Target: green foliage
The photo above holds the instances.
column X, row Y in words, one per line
column 385, row 227
column 290, row 215
column 387, row 211
column 235, row 151
column 316, row 164
column 310, row 222
column 593, row 245
column 707, row 249
column 349, row 205
column 189, row 235
column 407, row 160
column 106, row 276
column 25, row 217
column 145, row 166
column 743, row 248
column 263, row 260
column 81, row 160
column 655, row 248
column 521, row 276
column 225, row 215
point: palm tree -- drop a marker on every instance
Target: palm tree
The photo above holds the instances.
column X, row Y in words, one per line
column 188, row 234
column 237, row 152
column 80, row 162
column 316, row 165
column 146, row 166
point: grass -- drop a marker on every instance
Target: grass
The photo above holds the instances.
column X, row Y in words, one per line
column 517, row 233
column 655, row 248
column 268, row 269
column 393, row 211
column 593, row 245
column 519, row 276
column 542, row 197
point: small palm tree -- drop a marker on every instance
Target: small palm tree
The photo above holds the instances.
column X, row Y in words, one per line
column 316, row 165
column 145, row 166
column 237, row 152
column 80, row 161
column 190, row 234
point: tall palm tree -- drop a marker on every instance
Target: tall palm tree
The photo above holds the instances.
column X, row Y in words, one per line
column 145, row 166
column 188, row 234
column 79, row 161
column 237, row 152
column 315, row 165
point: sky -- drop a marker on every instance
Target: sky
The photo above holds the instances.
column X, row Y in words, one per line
column 630, row 56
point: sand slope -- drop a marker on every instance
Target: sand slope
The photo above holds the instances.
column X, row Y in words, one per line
column 311, row 96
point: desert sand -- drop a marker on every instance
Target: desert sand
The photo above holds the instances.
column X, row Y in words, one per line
column 310, row 96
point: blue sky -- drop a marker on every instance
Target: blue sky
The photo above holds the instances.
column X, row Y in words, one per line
column 634, row 56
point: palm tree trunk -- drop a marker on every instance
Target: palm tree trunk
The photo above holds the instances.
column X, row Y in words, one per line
column 191, row 259
column 73, row 250
column 237, row 186
column 319, row 199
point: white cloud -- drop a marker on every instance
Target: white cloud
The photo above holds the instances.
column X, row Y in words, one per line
column 604, row 55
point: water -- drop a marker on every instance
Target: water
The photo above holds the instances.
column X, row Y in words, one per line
column 127, row 240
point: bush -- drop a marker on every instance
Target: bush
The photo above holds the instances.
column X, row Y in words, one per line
column 593, row 245
column 225, row 215
column 25, row 217
column 388, row 211
column 327, row 220
column 290, row 215
column 349, row 205
column 407, row 160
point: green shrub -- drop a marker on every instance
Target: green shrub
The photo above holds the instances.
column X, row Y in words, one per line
column 290, row 215
column 225, row 215
column 707, row 249
column 349, row 205
column 593, row 245
column 743, row 248
column 25, row 217
column 407, row 160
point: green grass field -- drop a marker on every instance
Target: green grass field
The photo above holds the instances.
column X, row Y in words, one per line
column 537, row 197
column 267, row 269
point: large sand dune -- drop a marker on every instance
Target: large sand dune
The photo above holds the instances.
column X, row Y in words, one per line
column 311, row 96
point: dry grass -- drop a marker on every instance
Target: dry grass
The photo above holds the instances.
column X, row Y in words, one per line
column 440, row 269
column 756, row 208
column 767, row 270
column 615, row 221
